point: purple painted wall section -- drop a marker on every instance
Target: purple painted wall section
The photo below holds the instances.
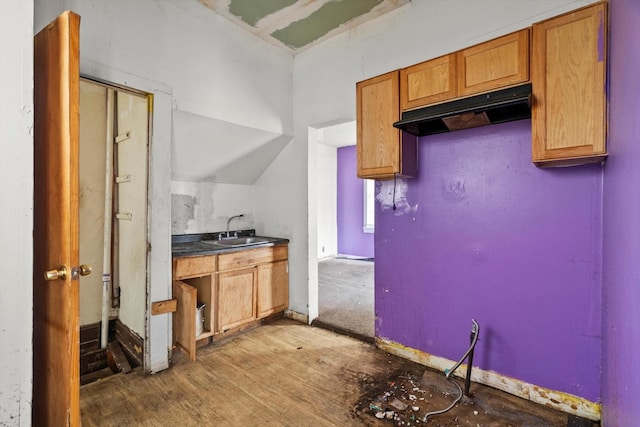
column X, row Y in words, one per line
column 621, row 215
column 351, row 239
column 496, row 239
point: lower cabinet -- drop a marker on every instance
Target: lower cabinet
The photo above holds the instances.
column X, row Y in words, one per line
column 236, row 298
column 219, row 294
column 273, row 287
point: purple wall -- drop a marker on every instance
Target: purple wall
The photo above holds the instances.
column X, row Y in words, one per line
column 496, row 239
column 621, row 214
column 351, row 239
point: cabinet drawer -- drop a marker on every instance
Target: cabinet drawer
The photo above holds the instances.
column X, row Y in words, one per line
column 252, row 257
column 193, row 266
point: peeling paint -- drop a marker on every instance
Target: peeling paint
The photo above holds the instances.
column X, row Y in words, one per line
column 182, row 211
column 392, row 194
column 453, row 189
column 251, row 11
column 329, row 16
column 600, row 37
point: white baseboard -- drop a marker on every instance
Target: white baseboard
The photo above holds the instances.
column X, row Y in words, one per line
column 551, row 398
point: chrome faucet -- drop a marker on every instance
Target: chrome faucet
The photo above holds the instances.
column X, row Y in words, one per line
column 229, row 222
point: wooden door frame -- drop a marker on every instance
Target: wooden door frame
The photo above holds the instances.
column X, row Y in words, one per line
column 158, row 329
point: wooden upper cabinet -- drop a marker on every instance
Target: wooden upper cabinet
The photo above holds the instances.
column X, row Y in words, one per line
column 568, row 75
column 382, row 151
column 484, row 67
column 494, row 64
column 428, row 82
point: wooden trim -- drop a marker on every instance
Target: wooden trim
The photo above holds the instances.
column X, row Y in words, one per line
column 131, row 343
column 163, row 307
column 89, row 337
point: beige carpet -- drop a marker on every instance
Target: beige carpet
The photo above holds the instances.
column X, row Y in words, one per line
column 346, row 295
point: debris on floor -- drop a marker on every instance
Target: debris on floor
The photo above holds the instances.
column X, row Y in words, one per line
column 406, row 401
column 403, row 398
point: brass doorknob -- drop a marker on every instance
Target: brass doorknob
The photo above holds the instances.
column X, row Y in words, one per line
column 85, row 269
column 59, row 273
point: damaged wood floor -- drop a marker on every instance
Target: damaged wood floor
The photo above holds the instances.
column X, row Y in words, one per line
column 289, row 374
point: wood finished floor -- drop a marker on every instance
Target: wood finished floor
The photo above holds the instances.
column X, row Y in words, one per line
column 283, row 374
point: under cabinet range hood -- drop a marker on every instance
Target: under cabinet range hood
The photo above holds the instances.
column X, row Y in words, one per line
column 500, row 106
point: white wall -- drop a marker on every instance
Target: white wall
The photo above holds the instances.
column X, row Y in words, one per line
column 216, row 71
column 327, row 194
column 201, row 207
column 203, row 65
column 93, row 154
column 325, row 75
column 16, row 211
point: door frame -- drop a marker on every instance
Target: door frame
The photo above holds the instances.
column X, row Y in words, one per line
column 158, row 329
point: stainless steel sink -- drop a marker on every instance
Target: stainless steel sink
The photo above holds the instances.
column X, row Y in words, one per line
column 239, row 241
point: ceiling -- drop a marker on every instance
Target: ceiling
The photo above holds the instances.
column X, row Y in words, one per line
column 296, row 25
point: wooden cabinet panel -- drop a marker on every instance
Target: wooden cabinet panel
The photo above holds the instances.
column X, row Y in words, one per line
column 236, row 298
column 188, row 293
column 428, row 82
column 377, row 109
column 568, row 76
column 230, row 293
column 193, row 266
column 494, row 64
column 273, row 287
column 184, row 321
column 251, row 257
column 381, row 150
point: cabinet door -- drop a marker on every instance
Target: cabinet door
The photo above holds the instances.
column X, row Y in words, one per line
column 568, row 76
column 273, row 287
column 497, row 63
column 378, row 142
column 236, row 298
column 184, row 320
column 428, row 82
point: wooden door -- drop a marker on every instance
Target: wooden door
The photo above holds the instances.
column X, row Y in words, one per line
column 56, row 348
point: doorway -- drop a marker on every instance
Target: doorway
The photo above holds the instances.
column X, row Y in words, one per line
column 341, row 232
column 113, row 175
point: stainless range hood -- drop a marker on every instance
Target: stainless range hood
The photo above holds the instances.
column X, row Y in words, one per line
column 501, row 106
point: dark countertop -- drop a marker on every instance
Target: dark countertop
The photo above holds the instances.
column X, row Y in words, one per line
column 185, row 245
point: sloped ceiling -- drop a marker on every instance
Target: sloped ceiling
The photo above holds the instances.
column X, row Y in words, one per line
column 235, row 154
column 295, row 25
